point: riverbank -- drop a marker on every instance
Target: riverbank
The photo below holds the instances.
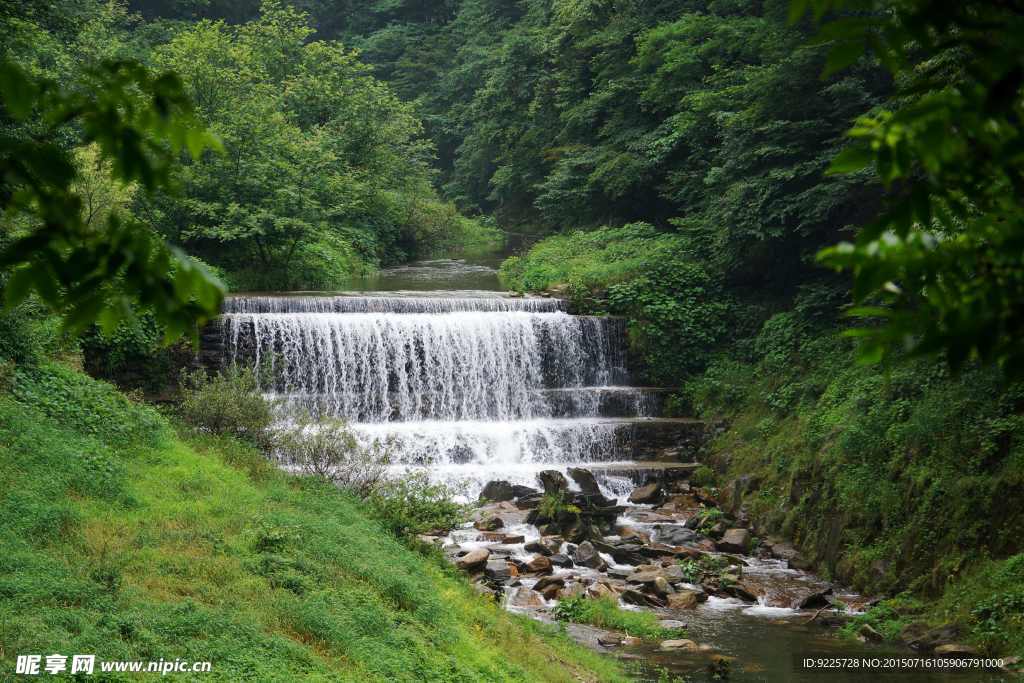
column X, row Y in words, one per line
column 124, row 539
column 901, row 482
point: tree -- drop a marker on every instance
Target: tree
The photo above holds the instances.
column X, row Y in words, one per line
column 942, row 268
column 138, row 123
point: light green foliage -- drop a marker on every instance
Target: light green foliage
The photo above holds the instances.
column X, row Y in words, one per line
column 325, row 172
column 412, row 504
column 327, row 448
column 606, row 613
column 676, row 311
column 118, row 539
column 228, row 402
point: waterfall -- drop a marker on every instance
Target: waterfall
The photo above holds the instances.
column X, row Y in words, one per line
column 473, row 386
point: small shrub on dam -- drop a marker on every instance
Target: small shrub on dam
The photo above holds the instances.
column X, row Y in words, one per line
column 227, row 402
column 328, row 449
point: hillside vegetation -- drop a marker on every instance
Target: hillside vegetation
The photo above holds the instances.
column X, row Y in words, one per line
column 121, row 538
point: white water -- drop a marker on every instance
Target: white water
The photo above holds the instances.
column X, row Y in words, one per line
column 472, row 387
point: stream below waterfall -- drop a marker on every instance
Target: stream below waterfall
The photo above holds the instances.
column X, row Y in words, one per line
column 473, row 386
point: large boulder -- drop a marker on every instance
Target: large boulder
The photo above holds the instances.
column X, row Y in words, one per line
column 671, row 534
column 635, row 597
column 587, row 556
column 813, row 600
column 647, row 494
column 585, row 480
column 628, row 533
column 498, row 570
column 734, row 541
column 539, row 564
column 525, row 598
column 686, row 599
column 497, row 491
column 520, row 491
column 537, row 547
column 561, row 560
column 489, row 524
column 474, row 559
column 553, row 481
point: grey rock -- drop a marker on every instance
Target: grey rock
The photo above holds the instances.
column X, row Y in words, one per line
column 497, row 491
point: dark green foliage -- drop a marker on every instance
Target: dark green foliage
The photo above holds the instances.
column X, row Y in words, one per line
column 140, row 122
column 941, row 270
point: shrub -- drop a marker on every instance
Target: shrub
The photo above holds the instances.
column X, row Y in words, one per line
column 227, row 403
column 328, row 449
column 413, row 505
column 606, row 613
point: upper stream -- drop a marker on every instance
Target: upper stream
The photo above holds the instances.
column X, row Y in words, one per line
column 473, row 385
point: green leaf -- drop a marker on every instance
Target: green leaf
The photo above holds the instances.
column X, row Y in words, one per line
column 18, row 92
column 853, row 158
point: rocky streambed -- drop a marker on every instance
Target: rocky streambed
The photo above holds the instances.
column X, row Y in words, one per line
column 731, row 603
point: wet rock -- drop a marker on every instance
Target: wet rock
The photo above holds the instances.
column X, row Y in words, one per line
column 585, row 480
column 867, row 633
column 573, row 590
column 498, row 570
column 560, row 560
column 647, row 494
column 635, row 597
column 546, row 581
column 497, row 491
column 673, row 572
column 679, row 644
column 498, row 537
column 520, row 491
column 474, row 559
column 815, row 600
column 643, row 577
column 920, row 637
column 734, row 541
column 800, row 563
column 628, row 533
column 537, row 547
column 525, row 598
column 675, row 535
column 539, row 564
column 686, row 599
column 671, row 624
column 529, row 501
column 553, row 482
column 717, row 530
column 489, row 523
column 955, row 650
column 740, row 592
column 587, row 556
column 609, row 639
column 661, row 586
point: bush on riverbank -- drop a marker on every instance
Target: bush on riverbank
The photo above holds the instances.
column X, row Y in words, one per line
column 120, row 539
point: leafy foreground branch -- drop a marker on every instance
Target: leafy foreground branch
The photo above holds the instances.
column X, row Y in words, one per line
column 140, row 123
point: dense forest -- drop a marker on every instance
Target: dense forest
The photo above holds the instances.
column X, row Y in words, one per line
column 809, row 215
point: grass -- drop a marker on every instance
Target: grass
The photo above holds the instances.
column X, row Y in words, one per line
column 121, row 538
column 606, row 613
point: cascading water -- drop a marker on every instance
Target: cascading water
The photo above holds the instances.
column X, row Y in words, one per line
column 471, row 385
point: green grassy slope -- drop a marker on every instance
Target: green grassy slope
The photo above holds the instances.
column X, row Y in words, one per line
column 119, row 538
